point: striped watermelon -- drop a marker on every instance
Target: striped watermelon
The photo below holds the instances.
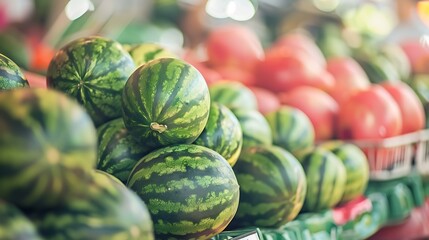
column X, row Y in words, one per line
column 190, row 190
column 272, row 187
column 291, row 128
column 222, row 133
column 255, row 128
column 166, row 101
column 326, row 179
column 10, row 74
column 145, row 52
column 93, row 70
column 233, row 95
column 118, row 152
column 357, row 169
column 107, row 211
column 14, row 225
column 47, row 143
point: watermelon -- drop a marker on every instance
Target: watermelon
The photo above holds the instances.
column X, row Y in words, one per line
column 357, row 169
column 145, row 52
column 166, row 101
column 48, row 144
column 118, row 152
column 191, row 191
column 291, row 128
column 255, row 128
column 222, row 133
column 14, row 225
column 10, row 75
column 108, row 210
column 326, row 179
column 233, row 95
column 272, row 187
column 94, row 71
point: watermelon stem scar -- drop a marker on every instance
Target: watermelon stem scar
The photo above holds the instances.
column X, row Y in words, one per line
column 158, row 127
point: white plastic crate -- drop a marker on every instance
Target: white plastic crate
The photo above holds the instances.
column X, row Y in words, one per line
column 392, row 157
column 422, row 153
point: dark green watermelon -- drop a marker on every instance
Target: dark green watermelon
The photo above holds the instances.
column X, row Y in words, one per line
column 166, row 101
column 326, row 179
column 190, row 190
column 272, row 187
column 292, row 129
column 118, row 152
column 14, row 225
column 233, row 95
column 107, row 211
column 357, row 169
column 47, row 144
column 10, row 75
column 255, row 128
column 92, row 70
column 222, row 133
column 145, row 52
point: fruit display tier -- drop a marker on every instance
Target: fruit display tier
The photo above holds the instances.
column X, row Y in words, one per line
column 388, row 210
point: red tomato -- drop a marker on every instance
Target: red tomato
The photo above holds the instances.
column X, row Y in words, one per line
column 412, row 112
column 210, row 75
column 321, row 109
column 349, row 77
column 369, row 114
column 302, row 43
column 283, row 72
column 267, row 101
column 233, row 45
column 236, row 74
column 418, row 55
column 35, row 80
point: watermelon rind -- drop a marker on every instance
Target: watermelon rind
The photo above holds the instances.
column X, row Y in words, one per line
column 118, row 151
column 11, row 75
column 48, row 144
column 107, row 211
column 93, row 70
column 222, row 133
column 272, row 187
column 164, row 102
column 190, row 190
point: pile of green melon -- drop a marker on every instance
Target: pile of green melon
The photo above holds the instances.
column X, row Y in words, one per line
column 131, row 143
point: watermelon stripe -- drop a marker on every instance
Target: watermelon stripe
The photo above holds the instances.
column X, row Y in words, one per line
column 137, row 97
column 193, row 230
column 158, row 92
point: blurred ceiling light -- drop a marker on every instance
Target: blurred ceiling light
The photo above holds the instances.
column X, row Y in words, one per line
column 326, row 5
column 424, row 40
column 239, row 10
column 76, row 8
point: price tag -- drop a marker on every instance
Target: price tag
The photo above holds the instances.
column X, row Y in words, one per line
column 248, row 236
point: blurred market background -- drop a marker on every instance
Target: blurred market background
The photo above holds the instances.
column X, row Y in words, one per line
column 374, row 42
column 29, row 27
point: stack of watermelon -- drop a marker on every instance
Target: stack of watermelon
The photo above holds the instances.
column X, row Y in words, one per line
column 181, row 155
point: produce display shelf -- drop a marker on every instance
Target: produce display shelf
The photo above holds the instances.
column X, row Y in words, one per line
column 386, row 206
